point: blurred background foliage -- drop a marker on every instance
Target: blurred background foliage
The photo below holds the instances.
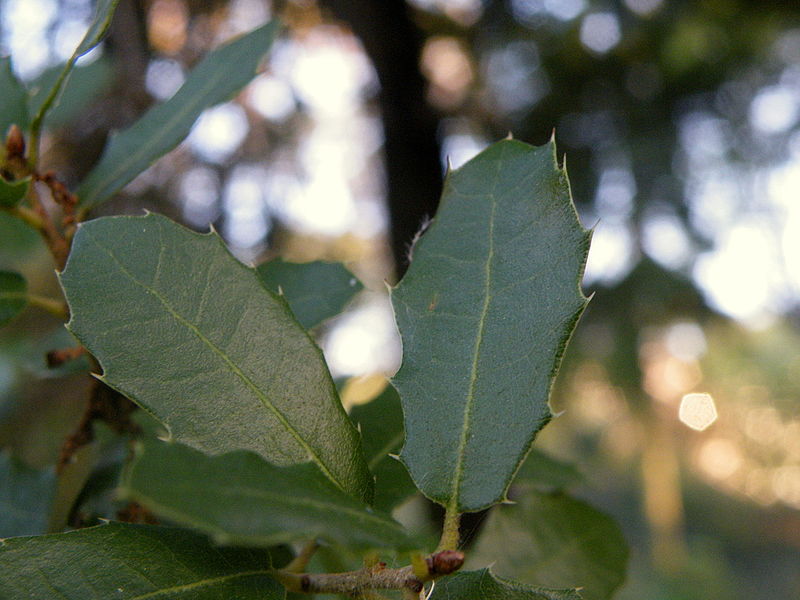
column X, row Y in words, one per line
column 681, row 124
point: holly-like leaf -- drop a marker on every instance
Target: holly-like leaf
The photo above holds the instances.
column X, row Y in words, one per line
column 25, row 497
column 13, row 100
column 381, row 425
column 132, row 562
column 485, row 585
column 103, row 13
column 13, row 295
column 239, row 498
column 190, row 334
column 556, row 541
column 12, row 192
column 485, row 312
column 219, row 76
column 315, row 291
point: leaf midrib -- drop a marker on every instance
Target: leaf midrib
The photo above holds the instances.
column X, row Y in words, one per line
column 265, row 401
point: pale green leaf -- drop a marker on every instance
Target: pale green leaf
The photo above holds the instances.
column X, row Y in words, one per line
column 381, row 425
column 25, row 497
column 315, row 291
column 13, row 100
column 190, row 334
column 132, row 562
column 485, row 585
column 556, row 541
column 12, row 192
column 219, row 76
column 103, row 13
column 485, row 311
column 13, row 295
column 241, row 499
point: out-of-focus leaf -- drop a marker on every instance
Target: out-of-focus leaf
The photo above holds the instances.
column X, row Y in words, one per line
column 25, row 497
column 13, row 100
column 241, row 499
column 220, row 75
column 555, row 541
column 315, row 291
column 543, row 472
column 85, row 83
column 191, row 334
column 484, row 585
column 12, row 192
column 381, row 425
column 485, row 312
column 132, row 562
column 103, row 13
column 13, row 295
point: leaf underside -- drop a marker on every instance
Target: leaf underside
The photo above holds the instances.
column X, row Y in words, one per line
column 484, row 585
column 485, row 312
column 190, row 334
column 241, row 499
column 25, row 497
column 557, row 541
column 132, row 562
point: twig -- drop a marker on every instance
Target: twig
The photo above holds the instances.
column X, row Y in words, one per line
column 300, row 562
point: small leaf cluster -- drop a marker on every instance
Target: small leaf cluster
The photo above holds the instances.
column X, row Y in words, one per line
column 242, row 448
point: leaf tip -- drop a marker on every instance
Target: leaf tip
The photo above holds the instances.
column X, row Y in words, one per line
column 509, row 136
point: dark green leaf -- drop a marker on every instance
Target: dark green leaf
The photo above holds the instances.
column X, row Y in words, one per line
column 484, row 585
column 85, row 83
column 241, row 499
column 485, row 312
column 190, row 334
column 13, row 295
column 103, row 13
column 132, row 562
column 12, row 192
column 556, row 541
column 13, row 100
column 543, row 472
column 381, row 424
column 220, row 75
column 315, row 291
column 25, row 497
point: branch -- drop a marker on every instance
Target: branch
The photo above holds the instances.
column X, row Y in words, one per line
column 377, row 577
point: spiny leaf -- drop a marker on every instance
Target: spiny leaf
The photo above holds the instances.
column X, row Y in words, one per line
column 315, row 291
column 554, row 540
column 25, row 497
column 132, row 562
column 485, row 312
column 190, row 334
column 221, row 74
column 484, row 585
column 13, row 295
column 241, row 499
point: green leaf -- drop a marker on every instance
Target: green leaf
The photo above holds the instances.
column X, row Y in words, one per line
column 485, row 312
column 85, row 83
column 557, row 541
column 241, row 499
column 12, row 192
column 381, row 425
column 219, row 76
column 13, row 295
column 25, row 497
column 13, row 100
column 543, row 472
column 190, row 334
column 484, row 585
column 315, row 291
column 132, row 562
column 103, row 13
